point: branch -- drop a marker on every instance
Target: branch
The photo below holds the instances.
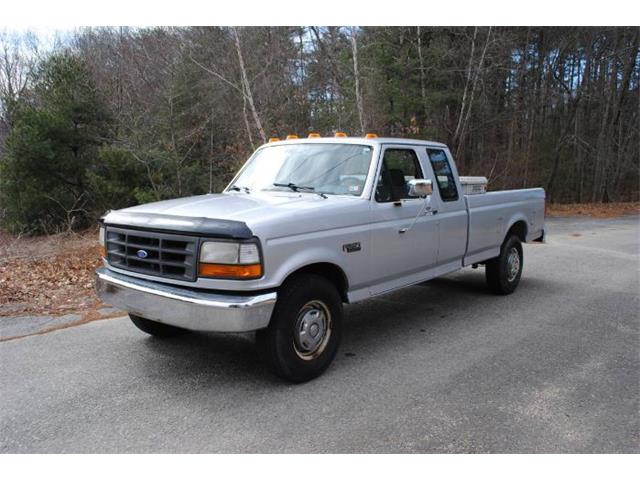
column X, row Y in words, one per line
column 218, row 76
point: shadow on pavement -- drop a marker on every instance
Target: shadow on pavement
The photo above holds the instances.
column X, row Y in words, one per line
column 211, row 359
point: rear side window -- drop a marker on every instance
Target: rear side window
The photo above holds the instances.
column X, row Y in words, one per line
column 398, row 167
column 444, row 176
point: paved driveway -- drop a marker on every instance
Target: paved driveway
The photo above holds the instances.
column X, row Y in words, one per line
column 439, row 367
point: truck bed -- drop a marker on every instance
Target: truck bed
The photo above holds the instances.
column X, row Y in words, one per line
column 491, row 214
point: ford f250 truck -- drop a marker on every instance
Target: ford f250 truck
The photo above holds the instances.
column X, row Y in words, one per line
column 305, row 226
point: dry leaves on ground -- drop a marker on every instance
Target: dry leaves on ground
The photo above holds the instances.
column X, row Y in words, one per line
column 596, row 210
column 50, row 275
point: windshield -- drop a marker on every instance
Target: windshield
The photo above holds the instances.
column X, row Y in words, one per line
column 337, row 169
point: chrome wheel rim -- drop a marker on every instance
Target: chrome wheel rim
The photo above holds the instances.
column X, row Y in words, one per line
column 312, row 330
column 513, row 264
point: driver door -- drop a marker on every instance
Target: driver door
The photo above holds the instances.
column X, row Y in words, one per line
column 399, row 258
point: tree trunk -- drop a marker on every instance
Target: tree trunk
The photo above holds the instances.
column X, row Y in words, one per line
column 356, row 75
column 473, row 91
column 423, row 90
column 247, row 87
column 463, row 104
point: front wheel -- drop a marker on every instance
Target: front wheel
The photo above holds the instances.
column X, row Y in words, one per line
column 503, row 272
column 305, row 329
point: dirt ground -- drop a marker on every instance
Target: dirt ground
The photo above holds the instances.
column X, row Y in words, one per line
column 596, row 210
column 53, row 275
column 50, row 275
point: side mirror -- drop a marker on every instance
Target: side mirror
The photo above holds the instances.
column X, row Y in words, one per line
column 420, row 187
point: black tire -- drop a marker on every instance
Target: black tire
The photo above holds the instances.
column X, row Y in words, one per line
column 156, row 329
column 287, row 349
column 501, row 277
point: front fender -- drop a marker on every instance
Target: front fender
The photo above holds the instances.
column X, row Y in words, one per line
column 306, row 257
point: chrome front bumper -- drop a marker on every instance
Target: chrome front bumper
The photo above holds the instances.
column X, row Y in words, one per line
column 183, row 307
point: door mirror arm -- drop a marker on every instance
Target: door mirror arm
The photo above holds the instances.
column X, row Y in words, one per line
column 425, row 207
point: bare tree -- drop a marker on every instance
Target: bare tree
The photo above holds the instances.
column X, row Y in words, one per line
column 356, row 76
column 423, row 91
column 247, row 87
column 463, row 122
column 183, row 107
column 17, row 60
column 463, row 103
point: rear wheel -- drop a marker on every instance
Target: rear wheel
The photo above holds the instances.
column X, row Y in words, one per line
column 156, row 329
column 305, row 329
column 503, row 272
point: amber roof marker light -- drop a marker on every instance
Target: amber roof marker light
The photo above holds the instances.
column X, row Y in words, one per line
column 371, row 135
column 340, row 134
column 274, row 139
column 292, row 137
column 314, row 135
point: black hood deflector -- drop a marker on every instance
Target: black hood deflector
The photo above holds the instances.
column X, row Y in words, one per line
column 208, row 227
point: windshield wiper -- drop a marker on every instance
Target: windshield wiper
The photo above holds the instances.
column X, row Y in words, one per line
column 240, row 189
column 297, row 188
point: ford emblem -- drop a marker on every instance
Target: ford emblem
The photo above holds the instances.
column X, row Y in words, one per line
column 142, row 254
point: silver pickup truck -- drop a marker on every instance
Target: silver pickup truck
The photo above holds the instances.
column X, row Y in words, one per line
column 305, row 226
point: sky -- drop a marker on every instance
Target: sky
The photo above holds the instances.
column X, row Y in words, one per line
column 47, row 37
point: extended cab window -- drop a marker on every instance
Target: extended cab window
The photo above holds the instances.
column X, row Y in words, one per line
column 399, row 165
column 444, row 176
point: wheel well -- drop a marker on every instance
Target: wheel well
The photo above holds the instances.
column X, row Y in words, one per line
column 519, row 229
column 331, row 272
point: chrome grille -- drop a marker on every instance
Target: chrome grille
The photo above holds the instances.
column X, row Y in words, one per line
column 161, row 254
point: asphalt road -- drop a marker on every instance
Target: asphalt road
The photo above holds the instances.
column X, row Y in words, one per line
column 439, row 367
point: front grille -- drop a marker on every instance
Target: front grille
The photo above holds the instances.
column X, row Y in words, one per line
column 161, row 254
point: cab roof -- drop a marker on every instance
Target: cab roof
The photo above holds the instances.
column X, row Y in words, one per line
column 360, row 141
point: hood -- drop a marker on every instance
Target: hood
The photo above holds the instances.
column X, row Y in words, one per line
column 230, row 206
column 236, row 215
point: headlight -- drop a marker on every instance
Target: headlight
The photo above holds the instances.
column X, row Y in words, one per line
column 240, row 260
column 103, row 249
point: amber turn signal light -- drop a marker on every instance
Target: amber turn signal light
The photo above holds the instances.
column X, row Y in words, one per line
column 230, row 271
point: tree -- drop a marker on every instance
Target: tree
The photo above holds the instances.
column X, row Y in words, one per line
column 52, row 146
column 119, row 116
